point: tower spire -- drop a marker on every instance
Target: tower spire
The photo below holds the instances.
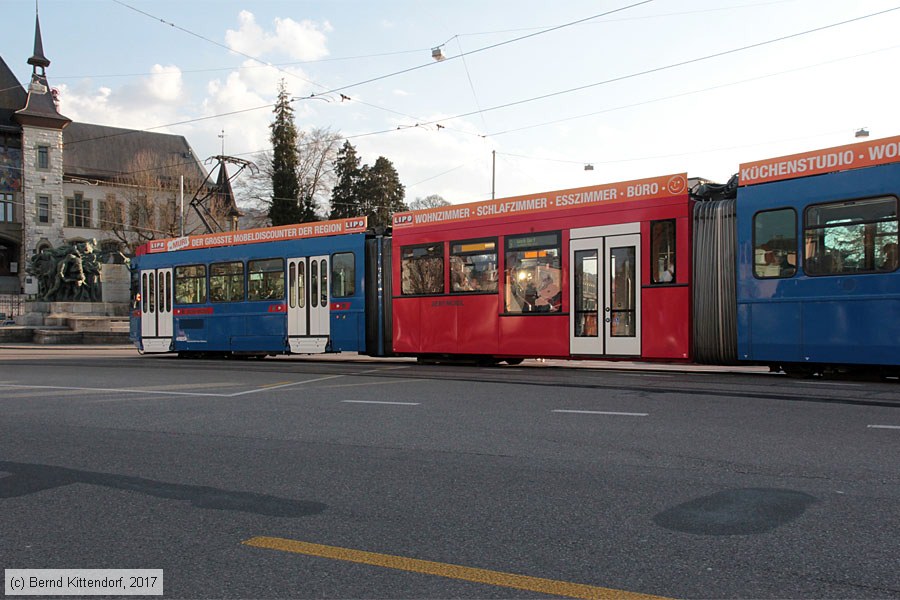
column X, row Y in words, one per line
column 38, row 60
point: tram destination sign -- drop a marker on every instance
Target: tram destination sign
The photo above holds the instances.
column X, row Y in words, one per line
column 267, row 234
column 666, row 186
column 817, row 162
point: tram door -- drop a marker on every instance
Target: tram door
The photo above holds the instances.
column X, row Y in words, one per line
column 309, row 314
column 156, row 310
column 604, row 285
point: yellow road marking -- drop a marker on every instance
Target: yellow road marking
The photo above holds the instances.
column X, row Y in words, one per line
column 510, row 580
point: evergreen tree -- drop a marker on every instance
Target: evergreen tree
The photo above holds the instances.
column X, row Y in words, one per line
column 345, row 200
column 382, row 192
column 285, row 207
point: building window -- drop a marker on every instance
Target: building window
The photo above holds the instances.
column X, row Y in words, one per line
column 533, row 273
column 473, row 266
column 6, row 208
column 662, row 251
column 43, row 209
column 190, row 284
column 142, row 214
column 43, row 157
column 422, row 269
column 857, row 236
column 112, row 213
column 78, row 211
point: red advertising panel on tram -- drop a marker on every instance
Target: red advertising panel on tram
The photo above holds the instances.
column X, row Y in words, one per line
column 598, row 271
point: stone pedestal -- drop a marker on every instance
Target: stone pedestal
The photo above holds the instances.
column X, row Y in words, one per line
column 116, row 283
column 74, row 322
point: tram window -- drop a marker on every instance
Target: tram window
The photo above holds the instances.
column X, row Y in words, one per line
column 857, row 236
column 145, row 293
column 190, row 284
column 266, row 279
column 533, row 274
column 292, row 285
column 775, row 243
column 324, row 272
column 152, row 292
column 343, row 275
column 168, row 291
column 473, row 266
column 314, row 283
column 662, row 251
column 422, row 269
column 301, row 284
column 226, row 282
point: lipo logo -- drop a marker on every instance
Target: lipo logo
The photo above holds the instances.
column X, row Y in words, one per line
column 355, row 224
column 157, row 246
column 400, row 220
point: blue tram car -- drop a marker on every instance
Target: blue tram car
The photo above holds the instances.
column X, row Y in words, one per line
column 815, row 261
column 283, row 290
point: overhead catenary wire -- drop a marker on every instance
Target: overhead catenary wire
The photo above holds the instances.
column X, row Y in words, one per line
column 627, row 76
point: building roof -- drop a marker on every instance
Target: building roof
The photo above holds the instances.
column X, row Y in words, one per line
column 12, row 97
column 107, row 153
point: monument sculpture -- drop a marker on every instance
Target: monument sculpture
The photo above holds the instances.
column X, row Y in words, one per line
column 68, row 273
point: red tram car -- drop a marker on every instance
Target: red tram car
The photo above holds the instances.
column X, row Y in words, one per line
column 485, row 279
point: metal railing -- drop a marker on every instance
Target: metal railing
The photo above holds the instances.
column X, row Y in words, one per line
column 11, row 305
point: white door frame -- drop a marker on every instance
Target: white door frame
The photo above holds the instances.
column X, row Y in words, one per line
column 156, row 322
column 309, row 321
column 595, row 328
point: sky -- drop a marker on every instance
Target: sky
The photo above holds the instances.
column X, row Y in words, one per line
column 634, row 88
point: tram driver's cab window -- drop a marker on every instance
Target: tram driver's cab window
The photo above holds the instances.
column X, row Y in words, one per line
column 190, row 285
column 775, row 243
column 533, row 275
column 422, row 269
column 265, row 279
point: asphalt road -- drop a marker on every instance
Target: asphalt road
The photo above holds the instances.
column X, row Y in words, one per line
column 660, row 482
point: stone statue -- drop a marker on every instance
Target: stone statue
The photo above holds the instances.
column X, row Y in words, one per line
column 69, row 273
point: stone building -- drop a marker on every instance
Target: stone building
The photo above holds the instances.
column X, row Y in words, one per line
column 63, row 181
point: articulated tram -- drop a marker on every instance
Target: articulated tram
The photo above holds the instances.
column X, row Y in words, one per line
column 792, row 264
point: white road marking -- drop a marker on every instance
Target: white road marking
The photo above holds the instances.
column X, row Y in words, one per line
column 884, row 426
column 379, row 402
column 164, row 392
column 284, row 385
column 601, row 412
column 366, row 384
column 380, row 369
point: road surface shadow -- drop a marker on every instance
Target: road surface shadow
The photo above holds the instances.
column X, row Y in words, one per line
column 29, row 479
column 735, row 512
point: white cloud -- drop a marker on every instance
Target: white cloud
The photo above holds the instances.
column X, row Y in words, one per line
column 165, row 84
column 299, row 40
